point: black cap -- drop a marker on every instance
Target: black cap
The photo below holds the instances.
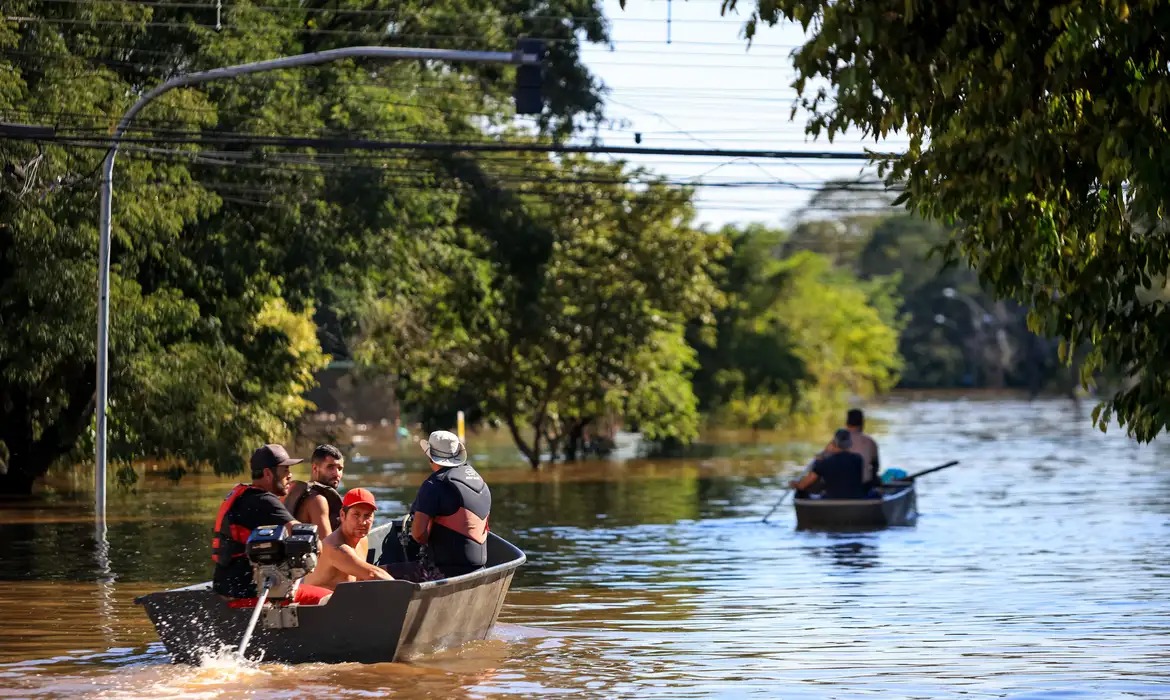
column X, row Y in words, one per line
column 271, row 457
column 843, row 439
column 855, row 417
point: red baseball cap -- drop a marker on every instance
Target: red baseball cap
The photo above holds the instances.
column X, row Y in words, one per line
column 358, row 495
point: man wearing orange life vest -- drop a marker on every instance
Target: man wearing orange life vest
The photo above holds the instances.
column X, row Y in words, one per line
column 450, row 512
column 246, row 508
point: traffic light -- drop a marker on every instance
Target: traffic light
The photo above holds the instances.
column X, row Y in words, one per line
column 529, row 94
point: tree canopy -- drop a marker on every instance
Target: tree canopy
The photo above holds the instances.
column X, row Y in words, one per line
column 546, row 293
column 798, row 337
column 1038, row 132
column 226, row 255
column 590, row 323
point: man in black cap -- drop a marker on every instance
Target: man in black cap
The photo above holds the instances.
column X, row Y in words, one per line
column 246, row 508
column 841, row 471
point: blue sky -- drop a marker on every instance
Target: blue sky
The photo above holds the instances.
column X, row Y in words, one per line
column 707, row 89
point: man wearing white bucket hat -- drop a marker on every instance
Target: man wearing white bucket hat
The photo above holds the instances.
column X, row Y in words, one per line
column 450, row 512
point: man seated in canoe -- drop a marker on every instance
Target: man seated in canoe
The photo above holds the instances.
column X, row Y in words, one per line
column 840, row 471
column 862, row 444
column 317, row 500
column 449, row 515
column 343, row 552
column 246, row 508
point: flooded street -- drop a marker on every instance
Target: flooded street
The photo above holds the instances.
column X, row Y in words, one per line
column 1037, row 569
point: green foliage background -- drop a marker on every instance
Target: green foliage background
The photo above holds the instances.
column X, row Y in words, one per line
column 1037, row 131
column 555, row 295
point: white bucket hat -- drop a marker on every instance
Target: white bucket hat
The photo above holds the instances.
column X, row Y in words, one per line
column 444, row 449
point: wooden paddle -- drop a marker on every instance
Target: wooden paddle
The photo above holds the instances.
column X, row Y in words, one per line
column 914, row 476
column 787, row 493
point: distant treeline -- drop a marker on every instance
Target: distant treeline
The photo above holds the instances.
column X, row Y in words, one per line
column 952, row 333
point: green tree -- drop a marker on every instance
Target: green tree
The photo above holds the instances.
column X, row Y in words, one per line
column 222, row 254
column 797, row 338
column 1038, row 132
column 935, row 342
column 571, row 303
column 749, row 358
column 845, row 333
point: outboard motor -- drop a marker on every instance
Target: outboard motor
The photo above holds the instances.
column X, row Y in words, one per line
column 280, row 561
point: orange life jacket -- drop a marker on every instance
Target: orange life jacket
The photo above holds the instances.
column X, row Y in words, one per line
column 228, row 543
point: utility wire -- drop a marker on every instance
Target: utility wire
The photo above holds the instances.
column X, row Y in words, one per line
column 488, row 147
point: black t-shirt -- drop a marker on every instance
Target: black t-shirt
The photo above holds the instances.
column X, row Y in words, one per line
column 251, row 510
column 842, row 475
column 459, row 492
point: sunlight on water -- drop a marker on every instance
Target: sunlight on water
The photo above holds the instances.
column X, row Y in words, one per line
column 1036, row 572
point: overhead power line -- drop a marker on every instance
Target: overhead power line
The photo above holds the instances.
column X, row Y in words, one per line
column 472, row 146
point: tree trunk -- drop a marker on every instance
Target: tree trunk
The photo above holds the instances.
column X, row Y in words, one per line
column 531, row 453
column 535, row 458
column 573, row 442
column 30, row 455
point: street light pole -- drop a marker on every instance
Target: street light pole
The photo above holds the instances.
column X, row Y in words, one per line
column 979, row 319
column 527, row 54
column 979, row 315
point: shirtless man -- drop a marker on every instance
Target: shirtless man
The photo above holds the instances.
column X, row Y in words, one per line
column 317, row 500
column 343, row 552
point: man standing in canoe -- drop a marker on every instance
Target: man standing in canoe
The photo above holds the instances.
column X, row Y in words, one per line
column 317, row 501
column 343, row 552
column 839, row 469
column 450, row 513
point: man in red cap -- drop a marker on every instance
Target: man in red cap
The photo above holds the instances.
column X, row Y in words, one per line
column 343, row 552
column 247, row 507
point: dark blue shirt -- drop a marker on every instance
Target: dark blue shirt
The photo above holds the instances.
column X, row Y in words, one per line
column 459, row 503
column 842, row 474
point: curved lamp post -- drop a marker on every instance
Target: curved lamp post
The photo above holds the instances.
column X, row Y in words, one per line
column 979, row 315
column 528, row 53
column 980, row 319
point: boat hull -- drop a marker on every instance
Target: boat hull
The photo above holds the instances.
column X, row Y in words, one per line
column 364, row 622
column 897, row 506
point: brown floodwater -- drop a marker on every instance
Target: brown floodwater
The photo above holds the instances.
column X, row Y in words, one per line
column 1038, row 569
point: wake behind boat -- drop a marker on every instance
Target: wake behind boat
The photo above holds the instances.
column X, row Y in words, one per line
column 364, row 622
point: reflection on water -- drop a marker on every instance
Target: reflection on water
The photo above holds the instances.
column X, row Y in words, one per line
column 1036, row 570
column 849, row 555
